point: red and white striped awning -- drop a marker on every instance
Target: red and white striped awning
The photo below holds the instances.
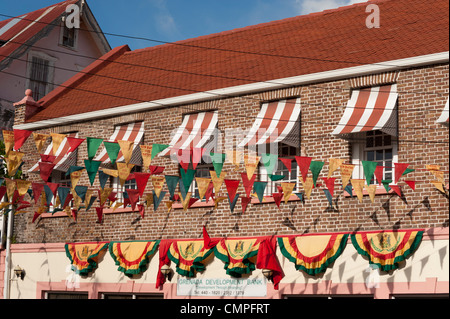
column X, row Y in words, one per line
column 443, row 119
column 370, row 109
column 126, row 132
column 195, row 131
column 274, row 122
column 62, row 157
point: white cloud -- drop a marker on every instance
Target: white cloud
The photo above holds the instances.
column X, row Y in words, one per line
column 309, row 6
column 163, row 19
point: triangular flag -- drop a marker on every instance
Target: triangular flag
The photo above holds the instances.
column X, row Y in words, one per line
column 53, row 187
column 244, row 203
column 13, row 162
column 146, row 153
column 202, row 185
column 10, row 187
column 20, row 136
column 169, row 205
column 300, row 196
column 103, row 195
column 127, row 149
column 141, row 209
column 372, row 190
column 218, row 160
column 45, row 170
column 91, row 201
column 399, row 170
column 62, row 193
column 287, row 163
column 103, row 178
column 397, row 190
column 233, row 202
column 329, row 182
column 275, row 178
column 411, row 184
column 269, row 161
column 334, row 164
column 158, row 148
column 112, row 149
column 251, row 164
column 124, row 170
column 328, row 196
column 288, row 188
column 158, row 183
column 349, row 190
column 379, row 174
column 185, row 201
column 91, row 169
column 155, row 170
column 187, row 178
column 232, row 186
column 386, row 184
column 48, row 195
column 346, row 173
column 217, row 181
column 99, row 214
column 74, row 142
column 172, row 182
column 277, row 198
column 133, row 195
column 308, row 185
column 315, row 167
column 369, row 169
column 209, row 191
column 37, row 191
column 157, row 199
column 259, row 188
column 248, row 183
column 56, row 141
column 47, row 158
column 303, row 163
column 39, row 140
column 219, row 199
column 93, row 144
column 197, row 154
column 438, row 185
column 75, row 177
column 81, row 191
column 407, row 171
column 141, row 181
column 74, row 169
column 358, row 186
column 66, row 202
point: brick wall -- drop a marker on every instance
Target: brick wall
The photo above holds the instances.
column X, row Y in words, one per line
column 423, row 92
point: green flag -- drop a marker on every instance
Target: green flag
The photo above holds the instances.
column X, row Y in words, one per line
column 157, row 200
column 112, row 149
column 315, row 167
column 369, row 169
column 269, row 161
column 233, row 203
column 172, row 182
column 91, row 169
column 218, row 160
column 158, row 148
column 187, row 178
column 259, row 188
column 93, row 144
column 408, row 170
column 386, row 183
column 275, row 178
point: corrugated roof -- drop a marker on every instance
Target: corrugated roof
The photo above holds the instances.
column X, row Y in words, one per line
column 329, row 40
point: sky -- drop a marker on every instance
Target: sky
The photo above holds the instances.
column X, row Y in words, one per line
column 174, row 20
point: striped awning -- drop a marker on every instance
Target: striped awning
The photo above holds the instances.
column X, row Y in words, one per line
column 63, row 159
column 370, row 109
column 443, row 119
column 195, row 131
column 126, row 132
column 276, row 122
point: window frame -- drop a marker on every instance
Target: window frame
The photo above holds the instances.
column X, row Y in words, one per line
column 62, row 35
column 50, row 72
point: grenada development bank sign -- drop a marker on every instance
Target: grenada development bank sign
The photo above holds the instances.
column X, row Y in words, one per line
column 222, row 287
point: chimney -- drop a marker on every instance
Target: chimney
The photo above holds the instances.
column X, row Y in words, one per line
column 26, row 108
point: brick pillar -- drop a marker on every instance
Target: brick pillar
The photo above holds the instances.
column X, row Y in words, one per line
column 25, row 108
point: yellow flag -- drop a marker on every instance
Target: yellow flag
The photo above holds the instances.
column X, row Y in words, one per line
column 234, row 157
column 76, row 201
column 371, row 189
column 217, row 181
column 149, row 200
column 146, row 152
column 124, row 171
column 287, row 190
column 87, row 197
column 13, row 162
column 438, row 185
column 56, row 141
column 158, row 183
column 75, row 177
column 308, row 185
column 10, row 187
column 127, row 149
column 8, row 139
column 104, row 194
column 185, row 201
column 39, row 140
column 4, row 204
column 117, row 205
column 218, row 199
column 334, row 164
column 251, row 163
column 169, row 206
column 439, row 175
column 111, row 172
column 346, row 173
column 202, row 184
column 358, row 186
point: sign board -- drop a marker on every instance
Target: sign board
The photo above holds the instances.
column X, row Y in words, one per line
column 222, row 287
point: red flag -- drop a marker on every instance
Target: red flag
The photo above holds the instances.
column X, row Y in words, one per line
column 36, row 215
column 141, row 181
column 20, row 136
column 164, row 246
column 74, row 142
column 67, row 201
column 37, row 190
column 396, row 189
column 411, row 184
column 399, row 169
column 303, row 163
column 248, row 183
column 3, row 191
column 112, row 197
column 141, row 209
column 379, row 174
column 53, row 187
column 154, row 170
column 133, row 195
column 209, row 192
column 184, row 157
column 267, row 259
column 244, row 203
column 208, row 243
column 329, row 182
column 48, row 158
column 192, row 201
column 232, row 186
column 277, row 197
column 287, row 162
column 74, row 214
column 99, row 214
column 45, row 170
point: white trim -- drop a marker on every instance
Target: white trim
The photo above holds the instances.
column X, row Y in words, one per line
column 435, row 58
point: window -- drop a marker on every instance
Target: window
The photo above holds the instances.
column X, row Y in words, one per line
column 202, row 170
column 374, row 146
column 129, row 184
column 65, row 295
column 68, row 37
column 40, row 73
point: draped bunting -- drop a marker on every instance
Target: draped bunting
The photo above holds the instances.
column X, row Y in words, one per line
column 303, row 163
column 132, row 257
column 20, row 136
column 312, row 253
column 387, row 249
column 85, row 256
column 189, row 255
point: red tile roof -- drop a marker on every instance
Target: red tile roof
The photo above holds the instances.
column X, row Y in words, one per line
column 20, row 30
column 324, row 41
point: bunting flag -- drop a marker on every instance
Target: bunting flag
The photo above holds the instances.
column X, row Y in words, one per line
column 202, row 184
column 186, row 179
column 407, row 171
column 56, row 141
column 172, row 182
column 62, row 194
column 45, row 170
column 112, row 149
column 185, row 201
column 74, row 143
column 132, row 257
column 218, row 160
column 244, row 203
column 438, row 186
column 248, row 183
column 234, row 157
column 329, row 183
column 386, row 249
column 197, row 154
column 358, row 186
column 232, row 186
column 84, row 257
column 303, row 163
column 369, row 170
column 277, row 197
column 158, row 183
column 411, row 184
column 233, row 202
column 333, row 165
column 39, row 140
column 99, row 211
column 81, row 191
column 308, row 186
column 155, row 170
column 90, row 200
column 399, row 170
column 37, row 190
column 346, row 173
column 157, row 199
column 315, row 168
column 20, row 137
column 259, row 188
column 328, row 196
column 217, row 181
column 189, row 256
column 141, row 181
column 438, row 174
column 209, row 191
column 269, row 161
column 386, row 183
column 13, row 162
column 287, row 162
column 127, row 149
column 164, row 247
column 157, row 148
column 124, row 171
column 251, row 163
column 379, row 174
column 133, row 195
column 312, row 253
column 8, row 139
column 396, row 189
column 275, row 178
column 91, row 169
column 371, row 189
column 267, row 259
column 238, row 254
column 93, row 144
column 48, row 195
column 146, row 153
column 288, row 188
